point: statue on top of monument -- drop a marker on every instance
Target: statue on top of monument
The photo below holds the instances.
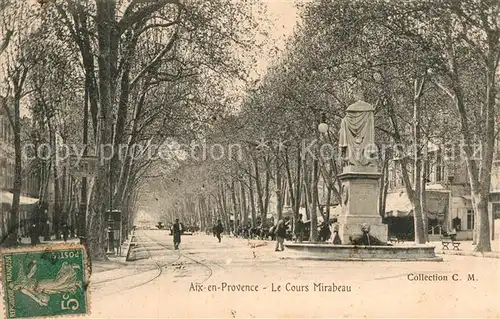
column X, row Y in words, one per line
column 357, row 135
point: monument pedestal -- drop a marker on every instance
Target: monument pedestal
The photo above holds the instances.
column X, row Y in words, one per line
column 360, row 193
column 360, row 203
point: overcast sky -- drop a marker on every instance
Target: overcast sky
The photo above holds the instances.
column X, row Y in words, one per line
column 283, row 16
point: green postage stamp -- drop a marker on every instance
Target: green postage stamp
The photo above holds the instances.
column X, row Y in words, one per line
column 44, row 281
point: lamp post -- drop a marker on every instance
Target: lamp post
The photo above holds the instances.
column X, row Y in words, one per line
column 322, row 126
column 111, row 236
column 323, row 129
column 82, row 216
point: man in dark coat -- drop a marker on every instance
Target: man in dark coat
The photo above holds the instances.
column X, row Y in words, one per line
column 325, row 232
column 34, row 234
column 218, row 230
column 299, row 229
column 280, row 232
column 176, row 231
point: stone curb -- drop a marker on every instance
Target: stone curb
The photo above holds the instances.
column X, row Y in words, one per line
column 436, row 259
column 472, row 254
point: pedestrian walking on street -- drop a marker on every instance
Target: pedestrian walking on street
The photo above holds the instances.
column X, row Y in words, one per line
column 299, row 229
column 176, row 231
column 34, row 234
column 218, row 230
column 280, row 232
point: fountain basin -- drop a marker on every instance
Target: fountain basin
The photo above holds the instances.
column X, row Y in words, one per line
column 363, row 253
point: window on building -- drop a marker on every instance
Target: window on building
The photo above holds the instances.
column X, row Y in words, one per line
column 470, row 219
column 3, row 127
column 496, row 210
column 496, row 156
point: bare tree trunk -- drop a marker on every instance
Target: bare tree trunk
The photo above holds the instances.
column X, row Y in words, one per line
column 384, row 185
column 306, row 202
column 221, row 214
column 251, row 194
column 105, row 20
column 224, row 207
column 417, row 141
column 291, row 191
column 235, row 207
column 14, row 213
column 211, row 213
column 298, row 184
column 244, row 207
column 423, row 194
column 267, row 193
column 260, row 195
column 328, row 200
column 314, row 206
column 307, row 190
column 279, row 198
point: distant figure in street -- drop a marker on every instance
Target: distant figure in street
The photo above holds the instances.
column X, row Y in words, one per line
column 65, row 231
column 324, row 233
column 299, row 229
column 46, row 230
column 336, row 237
column 280, row 232
column 34, row 234
column 176, row 231
column 218, row 230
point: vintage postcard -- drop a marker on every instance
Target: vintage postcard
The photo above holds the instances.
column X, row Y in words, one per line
column 250, row 158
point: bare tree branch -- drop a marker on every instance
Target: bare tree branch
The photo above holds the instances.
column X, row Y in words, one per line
column 130, row 18
column 155, row 60
column 5, row 41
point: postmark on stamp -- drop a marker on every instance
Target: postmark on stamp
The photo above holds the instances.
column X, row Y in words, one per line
column 44, row 281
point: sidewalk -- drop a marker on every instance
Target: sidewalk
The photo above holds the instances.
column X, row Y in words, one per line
column 114, row 262
column 467, row 249
column 27, row 240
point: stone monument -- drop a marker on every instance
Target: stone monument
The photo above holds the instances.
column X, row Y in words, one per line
column 360, row 176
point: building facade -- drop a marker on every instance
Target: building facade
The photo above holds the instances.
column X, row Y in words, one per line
column 448, row 199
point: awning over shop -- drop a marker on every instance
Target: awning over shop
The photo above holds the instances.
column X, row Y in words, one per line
column 397, row 205
column 437, row 204
column 462, row 202
column 6, row 197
